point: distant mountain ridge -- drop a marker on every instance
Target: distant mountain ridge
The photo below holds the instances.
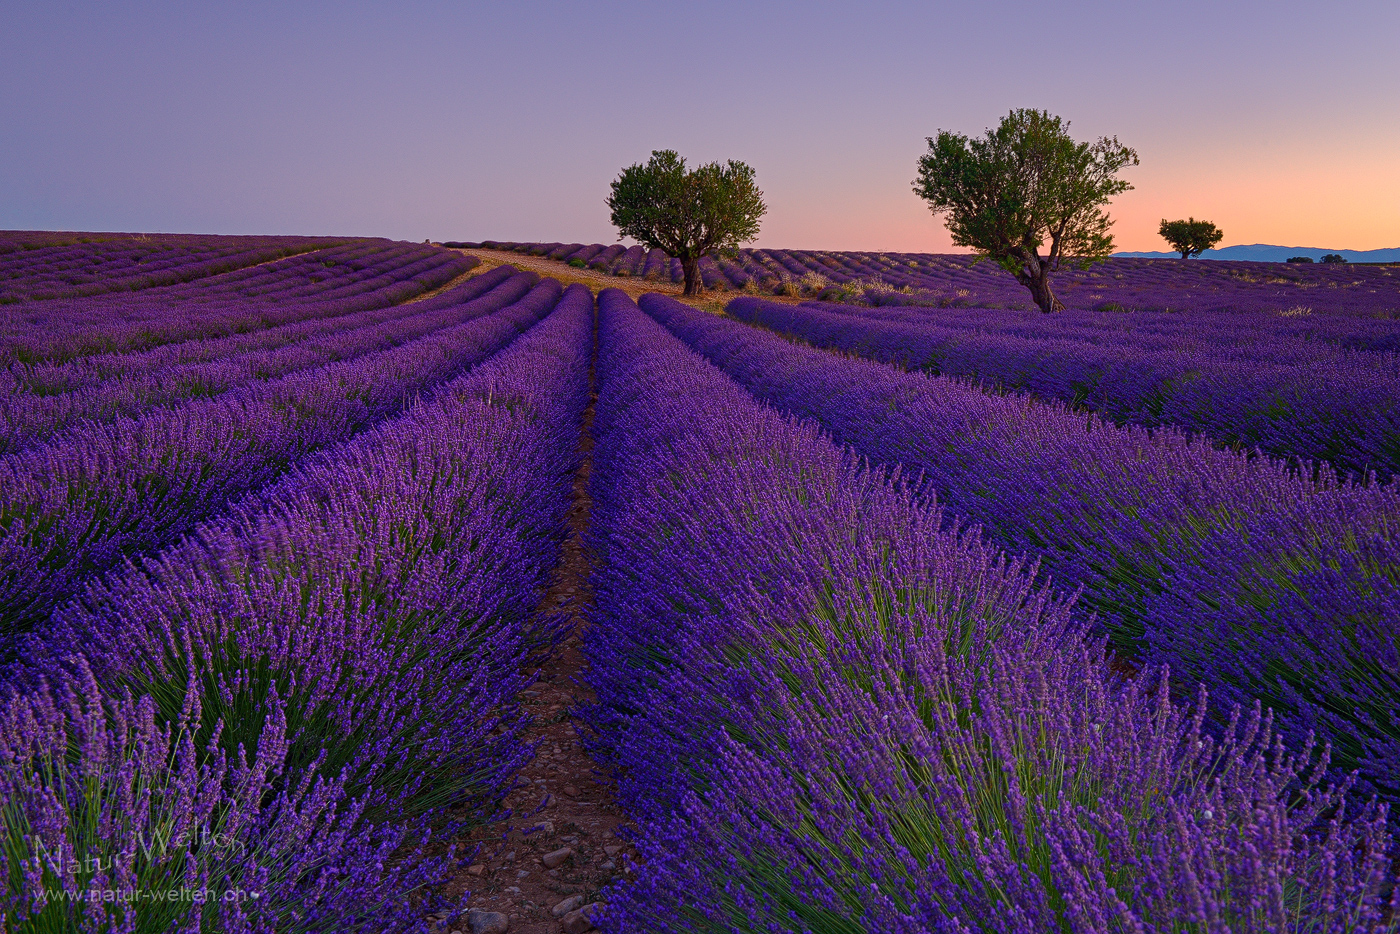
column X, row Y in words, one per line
column 1270, row 253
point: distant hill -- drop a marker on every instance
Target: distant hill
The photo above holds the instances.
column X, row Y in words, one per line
column 1269, row 253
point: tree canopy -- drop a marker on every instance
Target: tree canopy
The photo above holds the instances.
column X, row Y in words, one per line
column 1024, row 185
column 713, row 208
column 1190, row 237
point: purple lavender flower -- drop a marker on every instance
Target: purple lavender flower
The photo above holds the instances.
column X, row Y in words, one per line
column 364, row 626
column 116, row 820
column 1255, row 385
column 77, row 505
column 832, row 710
column 1236, row 571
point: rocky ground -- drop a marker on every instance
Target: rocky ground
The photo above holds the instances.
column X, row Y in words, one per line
column 540, row 871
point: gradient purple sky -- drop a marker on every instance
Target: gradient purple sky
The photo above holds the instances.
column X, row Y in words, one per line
column 1280, row 121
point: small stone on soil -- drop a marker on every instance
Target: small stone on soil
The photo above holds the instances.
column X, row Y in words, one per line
column 566, row 906
column 556, row 858
column 576, row 922
column 488, row 922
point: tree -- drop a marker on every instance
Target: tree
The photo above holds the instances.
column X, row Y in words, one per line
column 687, row 214
column 1190, row 237
column 1333, row 258
column 1023, row 185
column 1298, row 259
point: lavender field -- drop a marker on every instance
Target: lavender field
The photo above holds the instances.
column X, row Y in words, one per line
column 1307, row 296
column 906, row 608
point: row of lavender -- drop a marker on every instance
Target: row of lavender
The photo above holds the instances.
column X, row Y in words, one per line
column 49, row 377
column 273, row 712
column 1235, row 572
column 1211, row 304
column 1287, row 397
column 1159, row 288
column 1120, row 285
column 36, row 265
column 831, row 710
column 87, row 371
column 99, row 492
column 127, row 384
column 317, row 284
column 246, row 281
column 1299, row 334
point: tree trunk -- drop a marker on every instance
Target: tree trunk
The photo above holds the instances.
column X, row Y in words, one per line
column 1043, row 295
column 1185, row 254
column 694, row 285
column 1035, row 275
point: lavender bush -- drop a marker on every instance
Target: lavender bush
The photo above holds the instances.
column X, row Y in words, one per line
column 603, row 260
column 630, row 262
column 75, row 506
column 1307, row 401
column 339, row 281
column 93, row 371
column 364, row 625
column 37, row 265
column 132, row 383
column 1351, row 304
column 833, row 712
column 115, row 820
column 383, row 589
column 1204, row 560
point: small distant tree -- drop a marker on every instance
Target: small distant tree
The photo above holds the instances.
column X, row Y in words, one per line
column 1190, row 237
column 1026, row 184
column 1298, row 259
column 689, row 214
column 1333, row 258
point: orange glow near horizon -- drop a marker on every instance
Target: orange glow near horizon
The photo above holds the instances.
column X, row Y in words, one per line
column 1344, row 197
column 1276, row 121
column 1347, row 200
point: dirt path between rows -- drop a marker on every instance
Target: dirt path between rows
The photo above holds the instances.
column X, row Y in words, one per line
column 597, row 281
column 536, row 871
column 712, row 300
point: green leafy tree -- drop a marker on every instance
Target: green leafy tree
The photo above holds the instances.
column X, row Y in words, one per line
column 1333, row 258
column 1025, row 185
column 689, row 214
column 1190, row 237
